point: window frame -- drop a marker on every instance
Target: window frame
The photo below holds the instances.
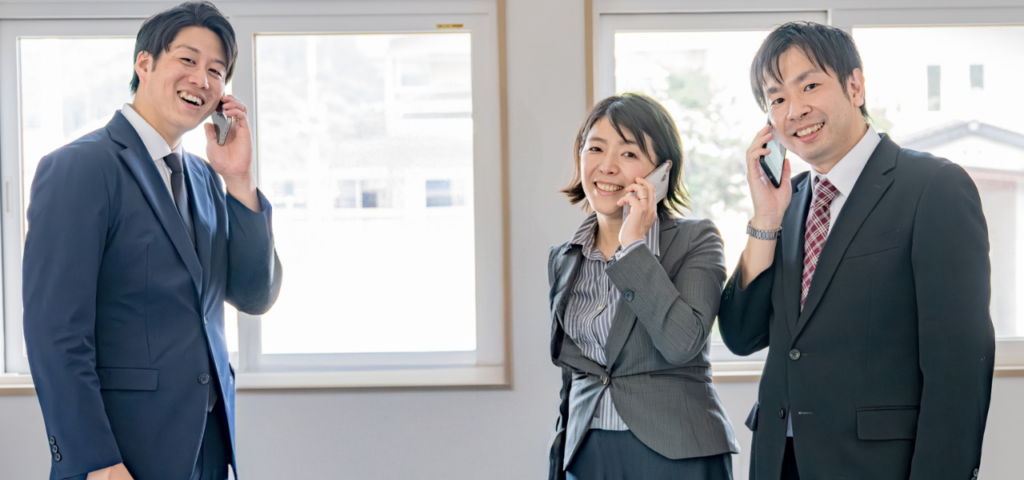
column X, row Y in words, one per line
column 632, row 15
column 489, row 365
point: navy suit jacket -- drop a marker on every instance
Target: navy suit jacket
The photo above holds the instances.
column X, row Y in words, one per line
column 123, row 317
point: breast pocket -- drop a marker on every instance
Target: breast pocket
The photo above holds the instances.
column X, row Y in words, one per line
column 872, row 245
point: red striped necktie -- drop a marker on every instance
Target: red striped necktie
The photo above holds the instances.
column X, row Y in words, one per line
column 817, row 231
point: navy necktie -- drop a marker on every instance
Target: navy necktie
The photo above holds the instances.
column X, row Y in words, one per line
column 180, row 193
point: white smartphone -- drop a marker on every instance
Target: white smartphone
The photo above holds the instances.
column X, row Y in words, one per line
column 659, row 178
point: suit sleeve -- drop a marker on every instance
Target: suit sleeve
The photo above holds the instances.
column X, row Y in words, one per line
column 678, row 313
column 955, row 336
column 68, row 220
column 744, row 316
column 254, row 270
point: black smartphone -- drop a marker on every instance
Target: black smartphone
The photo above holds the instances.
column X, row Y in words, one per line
column 221, row 124
column 772, row 163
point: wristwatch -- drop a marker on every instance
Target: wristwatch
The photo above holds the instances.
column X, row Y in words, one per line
column 763, row 234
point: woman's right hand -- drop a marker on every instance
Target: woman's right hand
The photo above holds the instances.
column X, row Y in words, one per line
column 770, row 203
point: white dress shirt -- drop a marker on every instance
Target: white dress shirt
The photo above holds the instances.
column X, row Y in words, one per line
column 154, row 142
column 843, row 176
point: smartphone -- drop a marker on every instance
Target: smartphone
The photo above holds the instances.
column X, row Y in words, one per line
column 221, row 124
column 772, row 163
column 659, row 178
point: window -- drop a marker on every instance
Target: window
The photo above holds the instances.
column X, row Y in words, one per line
column 688, row 62
column 977, row 77
column 372, row 124
column 934, row 88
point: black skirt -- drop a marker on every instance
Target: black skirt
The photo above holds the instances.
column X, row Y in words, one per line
column 619, row 455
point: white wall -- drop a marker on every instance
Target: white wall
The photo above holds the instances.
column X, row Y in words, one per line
column 476, row 434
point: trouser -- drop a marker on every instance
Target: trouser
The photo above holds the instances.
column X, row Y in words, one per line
column 619, row 455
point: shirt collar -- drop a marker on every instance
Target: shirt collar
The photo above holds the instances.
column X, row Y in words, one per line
column 584, row 235
column 844, row 174
column 154, row 142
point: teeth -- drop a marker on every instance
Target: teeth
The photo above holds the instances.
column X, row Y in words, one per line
column 810, row 130
column 607, row 188
column 190, row 98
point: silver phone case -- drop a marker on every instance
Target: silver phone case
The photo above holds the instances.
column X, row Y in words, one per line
column 221, row 125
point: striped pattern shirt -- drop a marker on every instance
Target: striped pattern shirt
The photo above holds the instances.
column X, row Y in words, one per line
column 591, row 308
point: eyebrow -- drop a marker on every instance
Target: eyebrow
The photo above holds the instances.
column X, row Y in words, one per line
column 197, row 52
column 798, row 79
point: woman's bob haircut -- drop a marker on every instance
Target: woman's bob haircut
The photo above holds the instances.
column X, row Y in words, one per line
column 639, row 114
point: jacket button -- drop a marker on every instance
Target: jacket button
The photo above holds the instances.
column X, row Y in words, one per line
column 204, row 319
column 53, row 440
column 604, row 380
column 628, row 295
column 204, row 379
column 53, row 448
column 782, row 413
column 794, row 354
column 56, row 457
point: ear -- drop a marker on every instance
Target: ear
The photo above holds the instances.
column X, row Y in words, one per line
column 855, row 87
column 143, row 65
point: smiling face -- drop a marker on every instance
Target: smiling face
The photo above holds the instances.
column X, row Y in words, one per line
column 609, row 163
column 812, row 115
column 178, row 91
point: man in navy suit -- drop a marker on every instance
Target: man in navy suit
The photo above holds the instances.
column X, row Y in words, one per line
column 133, row 247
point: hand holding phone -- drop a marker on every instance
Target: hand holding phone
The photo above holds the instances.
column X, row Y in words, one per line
column 658, row 178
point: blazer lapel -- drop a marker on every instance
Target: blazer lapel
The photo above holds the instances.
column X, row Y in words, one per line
column 793, row 231
column 137, row 159
column 866, row 193
column 625, row 319
column 203, row 217
column 567, row 267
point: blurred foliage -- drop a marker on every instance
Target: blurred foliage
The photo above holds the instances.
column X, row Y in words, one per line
column 713, row 154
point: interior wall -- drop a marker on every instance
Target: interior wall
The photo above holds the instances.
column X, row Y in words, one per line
column 474, row 434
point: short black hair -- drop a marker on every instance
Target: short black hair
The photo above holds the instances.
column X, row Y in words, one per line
column 160, row 30
column 829, row 48
column 639, row 114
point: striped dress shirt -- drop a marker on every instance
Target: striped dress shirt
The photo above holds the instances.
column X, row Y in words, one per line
column 591, row 308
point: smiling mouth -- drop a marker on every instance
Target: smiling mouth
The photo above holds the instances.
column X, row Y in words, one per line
column 809, row 130
column 606, row 187
column 192, row 99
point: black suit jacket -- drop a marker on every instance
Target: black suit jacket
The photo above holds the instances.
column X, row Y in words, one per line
column 887, row 371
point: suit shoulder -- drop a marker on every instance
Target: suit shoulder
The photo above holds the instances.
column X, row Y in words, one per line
column 697, row 228
column 93, row 150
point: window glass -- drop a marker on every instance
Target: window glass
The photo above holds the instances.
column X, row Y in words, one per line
column 362, row 126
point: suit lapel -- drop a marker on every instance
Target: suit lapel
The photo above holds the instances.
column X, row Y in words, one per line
column 793, row 231
column 202, row 214
column 625, row 319
column 866, row 193
column 567, row 267
column 138, row 161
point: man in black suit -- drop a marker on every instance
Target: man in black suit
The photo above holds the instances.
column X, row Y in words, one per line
column 867, row 278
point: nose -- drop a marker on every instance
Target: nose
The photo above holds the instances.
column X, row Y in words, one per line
column 797, row 109
column 609, row 165
column 199, row 79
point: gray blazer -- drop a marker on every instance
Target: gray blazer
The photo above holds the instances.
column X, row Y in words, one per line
column 659, row 370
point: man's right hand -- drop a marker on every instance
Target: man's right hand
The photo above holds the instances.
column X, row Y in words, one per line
column 117, row 472
column 770, row 203
column 770, row 206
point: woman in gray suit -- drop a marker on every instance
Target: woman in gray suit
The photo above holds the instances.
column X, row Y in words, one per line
column 632, row 304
